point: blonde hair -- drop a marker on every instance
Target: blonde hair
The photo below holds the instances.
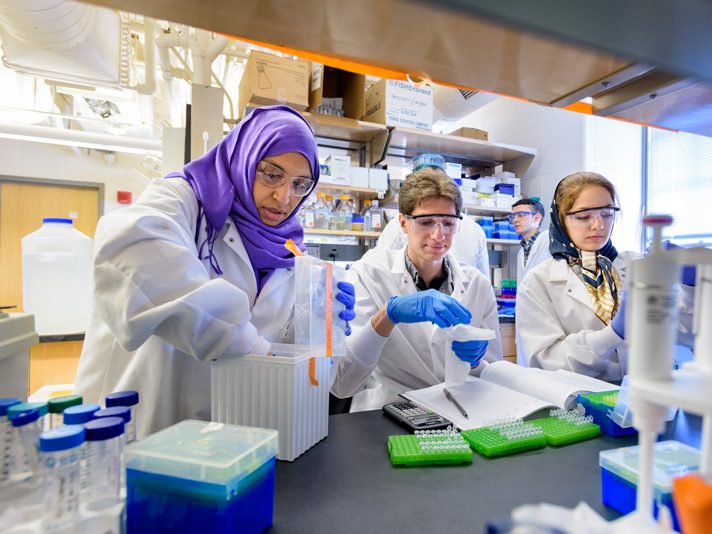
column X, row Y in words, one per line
column 427, row 184
column 570, row 188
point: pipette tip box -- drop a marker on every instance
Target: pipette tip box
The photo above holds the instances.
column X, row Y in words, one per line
column 599, row 405
column 620, row 468
column 202, row 477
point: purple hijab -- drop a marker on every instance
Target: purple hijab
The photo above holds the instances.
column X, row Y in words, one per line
column 222, row 180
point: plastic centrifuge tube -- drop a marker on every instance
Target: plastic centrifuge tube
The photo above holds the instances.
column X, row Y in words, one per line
column 104, row 445
column 131, row 400
column 6, row 438
column 125, row 413
column 78, row 415
column 41, row 407
column 60, row 451
column 57, row 405
column 25, row 466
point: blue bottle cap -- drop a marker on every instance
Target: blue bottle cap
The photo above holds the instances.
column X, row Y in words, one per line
column 62, row 438
column 25, row 418
column 104, row 428
column 121, row 398
column 116, row 411
column 41, row 407
column 78, row 415
column 6, row 403
column 56, row 220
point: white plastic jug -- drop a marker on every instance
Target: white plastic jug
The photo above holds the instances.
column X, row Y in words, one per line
column 57, row 277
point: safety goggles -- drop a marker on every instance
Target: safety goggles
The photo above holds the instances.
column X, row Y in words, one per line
column 519, row 214
column 427, row 223
column 274, row 177
column 585, row 218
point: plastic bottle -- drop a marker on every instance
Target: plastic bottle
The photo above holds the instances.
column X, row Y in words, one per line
column 321, row 212
column 376, row 216
column 125, row 413
column 331, row 205
column 41, row 407
column 57, row 405
column 104, row 447
column 6, row 438
column 343, row 214
column 306, row 215
column 59, row 453
column 78, row 415
column 57, row 277
column 25, row 466
column 366, row 212
column 129, row 399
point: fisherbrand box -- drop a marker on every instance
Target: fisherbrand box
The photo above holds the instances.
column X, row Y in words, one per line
column 398, row 103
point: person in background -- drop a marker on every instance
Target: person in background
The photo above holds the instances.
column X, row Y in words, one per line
column 197, row 270
column 527, row 216
column 571, row 308
column 469, row 246
column 405, row 296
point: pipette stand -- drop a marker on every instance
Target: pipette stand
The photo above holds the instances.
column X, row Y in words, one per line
column 651, row 328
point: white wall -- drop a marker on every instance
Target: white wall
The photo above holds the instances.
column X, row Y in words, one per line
column 56, row 162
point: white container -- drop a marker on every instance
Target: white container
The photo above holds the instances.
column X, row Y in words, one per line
column 17, row 334
column 275, row 392
column 57, row 277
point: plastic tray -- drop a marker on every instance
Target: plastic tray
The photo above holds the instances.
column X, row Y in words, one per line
column 407, row 450
column 599, row 405
column 490, row 443
column 560, row 432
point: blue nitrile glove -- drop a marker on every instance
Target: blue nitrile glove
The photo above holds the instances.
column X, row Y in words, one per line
column 470, row 351
column 689, row 272
column 618, row 321
column 430, row 305
column 346, row 295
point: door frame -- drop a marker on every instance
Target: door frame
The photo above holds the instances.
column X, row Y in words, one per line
column 59, row 183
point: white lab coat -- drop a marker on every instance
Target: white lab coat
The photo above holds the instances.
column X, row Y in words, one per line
column 558, row 329
column 538, row 253
column 376, row 369
column 161, row 314
column 469, row 245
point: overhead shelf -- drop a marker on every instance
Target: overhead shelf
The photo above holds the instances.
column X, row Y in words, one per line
column 341, row 232
column 491, row 241
column 344, row 129
column 361, row 192
column 483, row 209
column 455, row 148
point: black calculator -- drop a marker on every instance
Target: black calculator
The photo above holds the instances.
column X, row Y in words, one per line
column 413, row 417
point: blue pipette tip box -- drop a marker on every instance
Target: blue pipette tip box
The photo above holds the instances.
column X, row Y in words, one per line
column 202, row 477
column 620, row 471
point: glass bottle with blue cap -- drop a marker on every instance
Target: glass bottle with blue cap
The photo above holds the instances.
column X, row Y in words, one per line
column 59, row 453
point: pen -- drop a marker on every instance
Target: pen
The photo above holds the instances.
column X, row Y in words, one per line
column 452, row 399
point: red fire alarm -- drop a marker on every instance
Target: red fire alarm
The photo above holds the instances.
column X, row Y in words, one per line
column 123, row 197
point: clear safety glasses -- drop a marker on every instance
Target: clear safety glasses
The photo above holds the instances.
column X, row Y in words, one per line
column 427, row 224
column 585, row 218
column 274, row 177
column 519, row 214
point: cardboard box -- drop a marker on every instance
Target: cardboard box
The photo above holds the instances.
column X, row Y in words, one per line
column 339, row 170
column 331, row 83
column 397, row 103
column 378, row 179
column 269, row 79
column 359, row 176
column 472, row 133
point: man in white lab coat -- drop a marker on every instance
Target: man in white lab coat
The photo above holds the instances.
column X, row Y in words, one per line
column 469, row 245
column 406, row 296
column 527, row 216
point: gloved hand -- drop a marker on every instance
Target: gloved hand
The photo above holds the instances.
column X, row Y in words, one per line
column 618, row 321
column 470, row 351
column 430, row 305
column 346, row 295
column 689, row 272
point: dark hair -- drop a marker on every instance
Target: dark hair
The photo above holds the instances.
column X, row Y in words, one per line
column 570, row 187
column 427, row 184
column 534, row 203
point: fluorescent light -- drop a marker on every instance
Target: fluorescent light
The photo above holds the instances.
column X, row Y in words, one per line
column 80, row 138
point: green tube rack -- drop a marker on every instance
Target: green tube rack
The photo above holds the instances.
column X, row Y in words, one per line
column 563, row 428
column 438, row 447
column 490, row 441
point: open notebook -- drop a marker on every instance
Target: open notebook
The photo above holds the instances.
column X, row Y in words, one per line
column 507, row 390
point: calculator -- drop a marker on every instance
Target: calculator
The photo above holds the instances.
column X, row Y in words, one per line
column 413, row 417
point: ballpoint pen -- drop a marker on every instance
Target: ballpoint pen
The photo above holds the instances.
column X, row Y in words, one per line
column 452, row 399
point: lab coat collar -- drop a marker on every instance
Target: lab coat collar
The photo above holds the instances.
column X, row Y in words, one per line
column 403, row 279
column 560, row 273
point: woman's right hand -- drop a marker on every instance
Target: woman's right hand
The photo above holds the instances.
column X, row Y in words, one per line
column 430, row 305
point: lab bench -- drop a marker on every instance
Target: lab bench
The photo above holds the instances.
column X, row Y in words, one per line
column 346, row 482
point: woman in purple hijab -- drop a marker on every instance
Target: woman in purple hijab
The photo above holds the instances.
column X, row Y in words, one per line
column 196, row 270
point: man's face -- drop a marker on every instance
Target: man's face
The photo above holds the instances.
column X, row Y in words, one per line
column 429, row 239
column 525, row 219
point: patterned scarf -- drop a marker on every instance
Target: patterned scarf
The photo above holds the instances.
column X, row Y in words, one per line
column 594, row 269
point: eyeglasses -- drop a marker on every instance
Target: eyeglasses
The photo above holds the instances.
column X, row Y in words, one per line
column 585, row 218
column 427, row 223
column 518, row 214
column 274, row 177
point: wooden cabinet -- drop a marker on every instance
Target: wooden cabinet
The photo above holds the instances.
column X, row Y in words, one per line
column 509, row 349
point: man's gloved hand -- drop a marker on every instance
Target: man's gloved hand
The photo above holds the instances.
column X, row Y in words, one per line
column 689, row 272
column 618, row 321
column 430, row 305
column 346, row 295
column 470, row 351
